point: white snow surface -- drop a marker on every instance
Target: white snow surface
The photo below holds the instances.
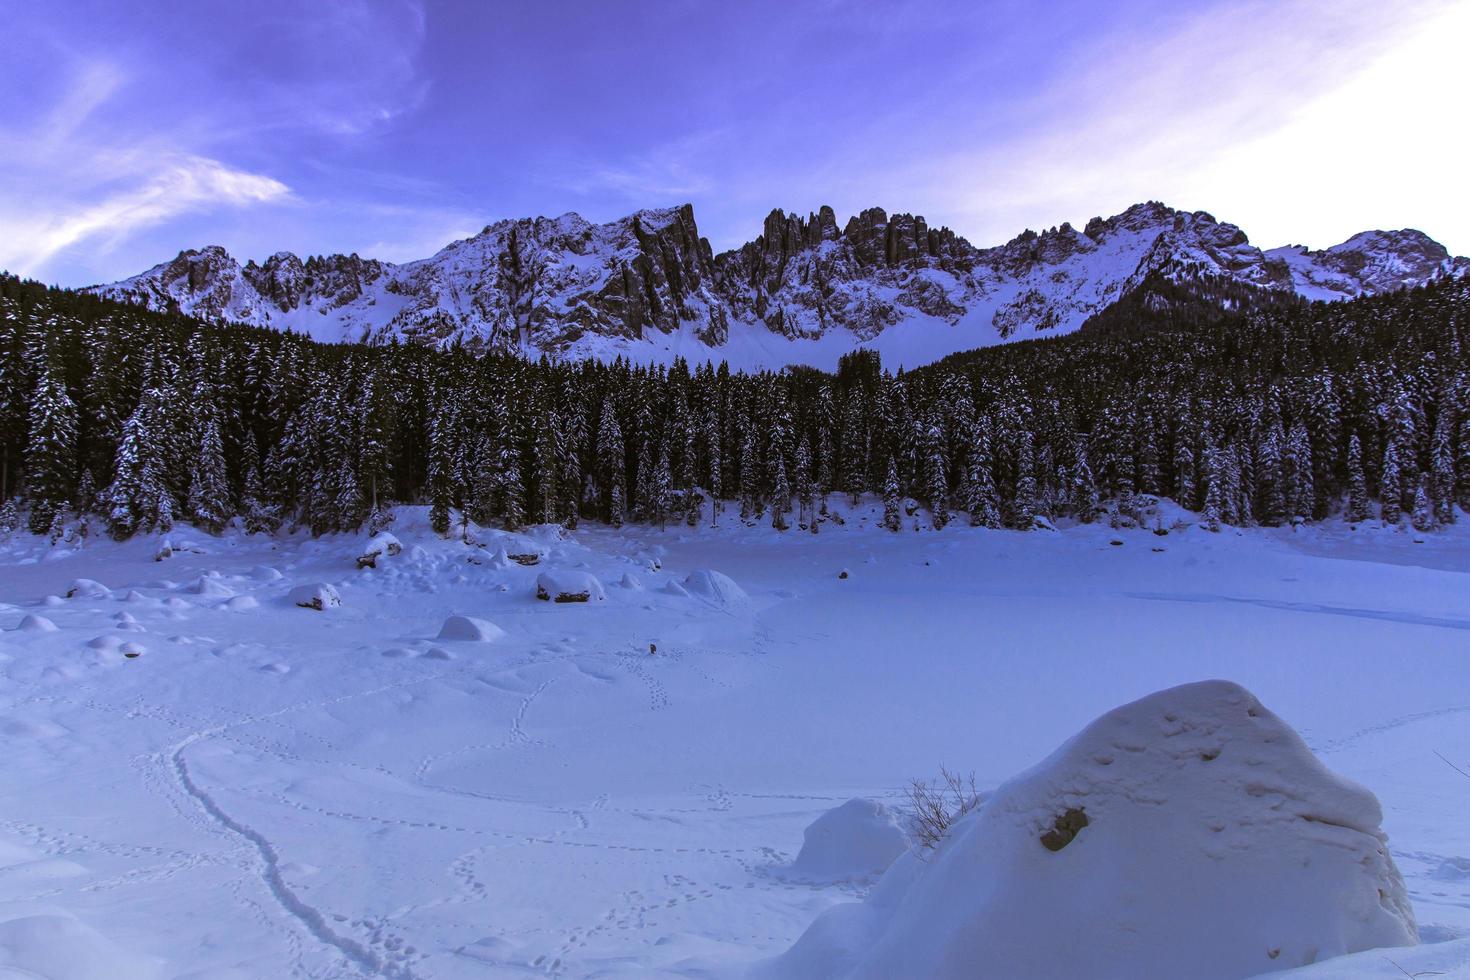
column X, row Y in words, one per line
column 1217, row 847
column 272, row 792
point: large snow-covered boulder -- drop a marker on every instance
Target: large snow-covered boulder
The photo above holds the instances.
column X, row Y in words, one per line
column 318, row 595
column 380, row 545
column 716, row 588
column 1189, row 834
column 469, row 629
column 569, row 585
column 855, row 840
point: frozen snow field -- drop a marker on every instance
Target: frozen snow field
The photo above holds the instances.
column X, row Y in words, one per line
column 200, row 778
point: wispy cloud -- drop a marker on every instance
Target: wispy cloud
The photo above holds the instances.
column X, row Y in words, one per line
column 149, row 131
column 181, row 187
column 1159, row 116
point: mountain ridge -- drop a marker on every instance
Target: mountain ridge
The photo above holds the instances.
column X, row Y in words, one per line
column 649, row 287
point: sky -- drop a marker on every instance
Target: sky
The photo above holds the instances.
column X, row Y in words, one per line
column 130, row 131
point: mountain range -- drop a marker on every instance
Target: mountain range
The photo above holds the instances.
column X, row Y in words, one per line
column 648, row 287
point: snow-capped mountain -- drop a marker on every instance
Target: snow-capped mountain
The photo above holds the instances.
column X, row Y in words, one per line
column 648, row 287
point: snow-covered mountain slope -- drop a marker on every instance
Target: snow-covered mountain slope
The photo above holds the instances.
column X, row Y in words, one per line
column 648, row 287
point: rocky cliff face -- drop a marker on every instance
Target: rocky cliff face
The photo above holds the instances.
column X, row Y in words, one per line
column 648, row 284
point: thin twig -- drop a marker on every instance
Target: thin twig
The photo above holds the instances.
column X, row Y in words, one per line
column 1451, row 764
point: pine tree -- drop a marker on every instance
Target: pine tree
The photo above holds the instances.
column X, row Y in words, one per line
column 51, row 459
column 1084, row 500
column 892, row 508
column 662, row 486
column 441, row 471
column 1357, row 507
column 1422, row 517
column 1300, row 475
column 936, row 479
column 1442, row 465
column 780, row 496
column 512, row 489
column 209, row 505
column 1462, row 464
column 1215, row 493
column 137, row 500
column 1023, row 504
column 1391, row 484
column 610, row 463
column 805, row 499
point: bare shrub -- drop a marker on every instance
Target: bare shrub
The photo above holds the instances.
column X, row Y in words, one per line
column 938, row 804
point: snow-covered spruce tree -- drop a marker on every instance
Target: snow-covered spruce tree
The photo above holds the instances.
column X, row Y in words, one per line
column 750, row 505
column 1270, row 494
column 1442, row 466
column 51, row 456
column 1422, row 517
column 615, row 505
column 610, row 463
column 780, row 496
column 854, row 448
column 440, row 471
column 1391, row 484
column 512, row 490
column 1462, row 464
column 548, row 466
column 661, row 486
column 1301, row 478
column 138, row 500
column 936, row 478
column 210, row 505
column 1023, row 502
column 892, row 507
column 714, row 462
column 1358, row 500
column 1215, row 491
column 805, row 497
column 1083, row 489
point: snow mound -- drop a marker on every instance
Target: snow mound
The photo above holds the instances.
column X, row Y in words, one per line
column 87, row 588
column 469, row 629
column 674, row 588
column 242, row 603
column 59, row 947
column 318, row 595
column 630, row 582
column 211, row 588
column 265, row 573
column 569, row 585
column 716, row 588
column 32, row 623
column 1191, row 834
column 855, row 840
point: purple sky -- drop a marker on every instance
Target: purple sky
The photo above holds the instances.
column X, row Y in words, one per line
column 129, row 130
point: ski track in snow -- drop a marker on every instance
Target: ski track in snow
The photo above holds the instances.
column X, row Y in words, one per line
column 311, row 919
column 1408, row 618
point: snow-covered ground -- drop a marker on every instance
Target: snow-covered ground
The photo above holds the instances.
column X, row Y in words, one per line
column 202, row 779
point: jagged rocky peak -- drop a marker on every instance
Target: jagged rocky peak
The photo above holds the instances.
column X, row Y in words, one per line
column 571, row 286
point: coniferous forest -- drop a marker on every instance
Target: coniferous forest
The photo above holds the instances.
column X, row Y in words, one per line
column 116, row 419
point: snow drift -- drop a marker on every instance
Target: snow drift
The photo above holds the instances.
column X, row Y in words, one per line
column 1191, row 833
column 469, row 629
column 855, row 840
column 716, row 588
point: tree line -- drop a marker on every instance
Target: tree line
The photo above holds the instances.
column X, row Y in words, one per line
column 115, row 417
